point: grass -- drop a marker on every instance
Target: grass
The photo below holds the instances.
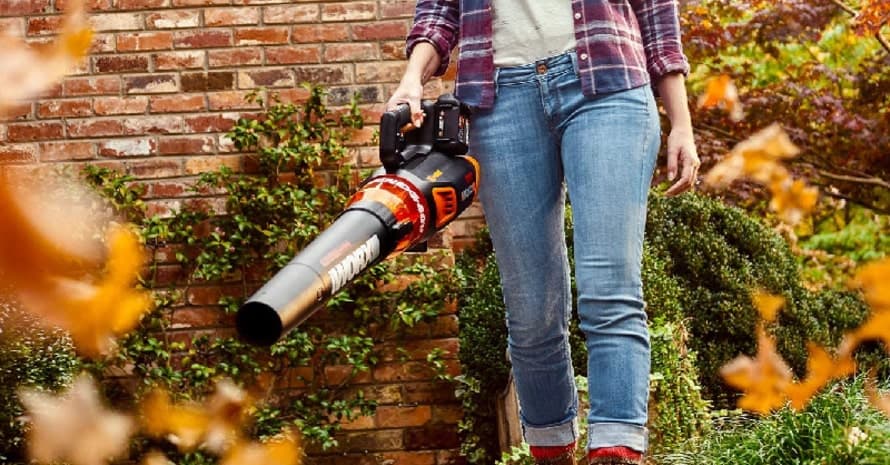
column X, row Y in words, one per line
column 839, row 427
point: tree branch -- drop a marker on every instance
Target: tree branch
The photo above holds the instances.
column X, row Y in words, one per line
column 852, row 12
column 855, row 179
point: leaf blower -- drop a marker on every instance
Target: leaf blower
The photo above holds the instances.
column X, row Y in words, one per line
column 425, row 182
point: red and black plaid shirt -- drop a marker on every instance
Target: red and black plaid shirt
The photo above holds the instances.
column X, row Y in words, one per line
column 621, row 44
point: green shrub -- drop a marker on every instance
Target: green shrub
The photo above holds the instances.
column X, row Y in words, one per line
column 839, row 427
column 30, row 356
column 709, row 257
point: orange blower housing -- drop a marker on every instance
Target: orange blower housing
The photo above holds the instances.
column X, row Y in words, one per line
column 426, row 182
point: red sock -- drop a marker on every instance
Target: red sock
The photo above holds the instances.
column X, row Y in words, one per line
column 618, row 452
column 548, row 452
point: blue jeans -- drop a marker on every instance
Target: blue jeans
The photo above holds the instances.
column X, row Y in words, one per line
column 544, row 137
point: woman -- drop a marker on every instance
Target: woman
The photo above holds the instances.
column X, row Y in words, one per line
column 563, row 103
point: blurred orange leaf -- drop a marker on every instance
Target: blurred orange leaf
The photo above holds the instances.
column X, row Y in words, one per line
column 760, row 158
column 763, row 379
column 874, row 280
column 52, row 259
column 821, row 368
column 284, row 450
column 721, row 92
column 27, row 70
column 74, row 426
column 768, row 305
column 214, row 424
column 792, row 199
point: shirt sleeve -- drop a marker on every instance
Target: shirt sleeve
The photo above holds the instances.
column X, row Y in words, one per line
column 436, row 22
column 659, row 22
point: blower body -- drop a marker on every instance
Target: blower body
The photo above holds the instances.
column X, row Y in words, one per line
column 426, row 181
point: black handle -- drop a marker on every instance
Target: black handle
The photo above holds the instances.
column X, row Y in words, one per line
column 392, row 140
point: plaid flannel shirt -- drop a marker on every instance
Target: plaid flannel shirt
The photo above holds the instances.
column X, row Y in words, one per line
column 621, row 44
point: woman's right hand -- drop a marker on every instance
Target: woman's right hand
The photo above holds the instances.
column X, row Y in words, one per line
column 421, row 64
column 410, row 91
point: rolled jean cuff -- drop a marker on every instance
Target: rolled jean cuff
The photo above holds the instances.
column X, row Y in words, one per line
column 557, row 435
column 617, row 434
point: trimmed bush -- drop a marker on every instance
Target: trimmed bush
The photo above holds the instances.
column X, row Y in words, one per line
column 706, row 258
column 30, row 356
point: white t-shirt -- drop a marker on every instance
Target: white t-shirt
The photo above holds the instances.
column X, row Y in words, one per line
column 525, row 31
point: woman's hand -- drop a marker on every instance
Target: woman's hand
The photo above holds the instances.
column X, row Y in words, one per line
column 681, row 153
column 423, row 62
column 410, row 91
column 682, row 157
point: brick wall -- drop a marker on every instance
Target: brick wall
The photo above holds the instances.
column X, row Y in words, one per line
column 166, row 79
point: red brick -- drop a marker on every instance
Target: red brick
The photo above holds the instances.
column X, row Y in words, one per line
column 174, row 19
column 351, row 52
column 23, row 7
column 289, row 14
column 200, row 2
column 91, row 5
column 26, row 132
column 433, row 436
column 102, row 43
column 414, row 457
column 265, row 78
column 140, row 4
column 200, row 317
column 234, row 57
column 349, row 11
column 116, row 22
column 210, row 295
column 202, row 82
column 261, row 35
column 186, row 145
column 155, row 168
column 94, row 128
column 403, row 371
column 399, row 417
column 173, row 61
column 44, row 25
column 177, row 103
column 17, row 153
column 144, row 41
column 120, row 105
column 17, row 111
column 293, row 54
column 379, row 72
column 203, row 39
column 52, row 109
column 121, row 64
column 450, row 414
column 198, row 165
column 214, row 17
column 312, row 33
column 92, row 86
column 392, row 50
column 168, row 124
column 380, row 30
column 328, row 74
column 151, row 84
column 230, row 100
column 121, row 148
column 64, row 151
column 397, row 8
column 211, row 123
column 167, row 189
